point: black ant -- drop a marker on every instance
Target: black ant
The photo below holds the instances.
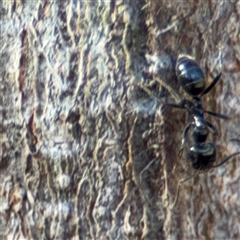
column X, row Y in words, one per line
column 201, row 154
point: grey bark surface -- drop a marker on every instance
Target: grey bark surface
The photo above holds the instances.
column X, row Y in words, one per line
column 88, row 149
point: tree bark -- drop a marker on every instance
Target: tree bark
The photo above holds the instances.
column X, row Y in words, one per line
column 89, row 149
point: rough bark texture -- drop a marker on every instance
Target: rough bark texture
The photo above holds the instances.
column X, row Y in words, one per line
column 88, row 150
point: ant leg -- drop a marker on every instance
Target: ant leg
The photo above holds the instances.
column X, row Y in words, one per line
column 184, row 139
column 176, row 199
column 154, row 146
column 169, row 88
column 183, row 104
column 146, row 168
column 235, row 140
column 190, row 177
column 226, row 159
column 212, row 128
column 178, row 188
column 174, row 105
column 218, row 115
column 214, row 82
column 147, row 91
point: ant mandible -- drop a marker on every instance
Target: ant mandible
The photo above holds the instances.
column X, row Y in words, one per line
column 201, row 154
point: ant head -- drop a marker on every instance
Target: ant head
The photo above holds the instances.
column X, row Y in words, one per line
column 190, row 75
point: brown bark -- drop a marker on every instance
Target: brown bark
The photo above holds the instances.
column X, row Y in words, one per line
column 88, row 150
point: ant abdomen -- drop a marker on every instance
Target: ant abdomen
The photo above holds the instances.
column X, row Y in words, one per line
column 190, row 75
column 203, row 156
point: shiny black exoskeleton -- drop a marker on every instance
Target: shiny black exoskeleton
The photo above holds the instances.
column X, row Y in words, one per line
column 200, row 153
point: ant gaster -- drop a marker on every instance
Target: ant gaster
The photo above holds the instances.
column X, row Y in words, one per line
column 201, row 154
